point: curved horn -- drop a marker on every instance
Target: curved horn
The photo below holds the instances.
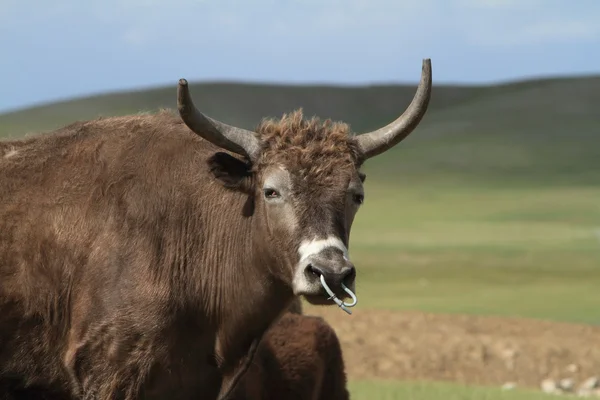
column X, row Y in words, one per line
column 376, row 142
column 237, row 140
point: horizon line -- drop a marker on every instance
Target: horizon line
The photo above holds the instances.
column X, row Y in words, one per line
column 283, row 84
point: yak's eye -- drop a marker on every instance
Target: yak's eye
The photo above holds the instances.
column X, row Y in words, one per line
column 271, row 193
column 359, row 198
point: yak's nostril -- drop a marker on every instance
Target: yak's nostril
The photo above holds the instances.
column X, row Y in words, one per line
column 348, row 275
column 333, row 277
column 315, row 270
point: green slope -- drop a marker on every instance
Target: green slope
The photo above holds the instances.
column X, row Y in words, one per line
column 544, row 132
column 241, row 104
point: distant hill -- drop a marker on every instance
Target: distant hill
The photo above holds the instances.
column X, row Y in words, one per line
column 532, row 132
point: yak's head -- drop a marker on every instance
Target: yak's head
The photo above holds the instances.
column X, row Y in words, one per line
column 305, row 183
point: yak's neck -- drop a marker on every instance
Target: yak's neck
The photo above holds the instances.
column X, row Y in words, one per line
column 234, row 285
column 250, row 300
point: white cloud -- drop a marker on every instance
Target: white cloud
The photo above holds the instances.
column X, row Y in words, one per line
column 512, row 23
column 500, row 4
column 135, row 36
column 553, row 30
column 536, row 34
column 413, row 22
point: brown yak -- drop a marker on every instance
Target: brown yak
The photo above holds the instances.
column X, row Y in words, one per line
column 299, row 358
column 143, row 256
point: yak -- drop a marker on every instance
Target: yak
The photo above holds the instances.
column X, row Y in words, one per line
column 144, row 256
column 299, row 358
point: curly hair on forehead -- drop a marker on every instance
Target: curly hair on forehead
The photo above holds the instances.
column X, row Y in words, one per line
column 313, row 148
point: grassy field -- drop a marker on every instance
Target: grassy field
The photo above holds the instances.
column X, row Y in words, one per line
column 429, row 390
column 492, row 207
column 509, row 251
column 528, row 252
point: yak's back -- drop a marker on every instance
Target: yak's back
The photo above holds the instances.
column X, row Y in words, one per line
column 67, row 159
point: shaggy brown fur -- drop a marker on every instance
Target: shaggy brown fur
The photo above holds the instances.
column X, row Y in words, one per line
column 316, row 149
column 300, row 358
column 136, row 259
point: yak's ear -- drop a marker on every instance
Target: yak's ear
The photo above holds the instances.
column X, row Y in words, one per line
column 231, row 172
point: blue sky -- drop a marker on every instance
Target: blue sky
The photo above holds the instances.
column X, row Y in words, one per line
column 56, row 49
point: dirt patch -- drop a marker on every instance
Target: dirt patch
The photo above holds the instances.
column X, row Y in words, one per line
column 466, row 349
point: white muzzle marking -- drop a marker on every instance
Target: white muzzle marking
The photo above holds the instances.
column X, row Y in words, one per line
column 313, row 247
column 310, row 248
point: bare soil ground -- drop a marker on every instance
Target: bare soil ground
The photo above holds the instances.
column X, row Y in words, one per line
column 381, row 344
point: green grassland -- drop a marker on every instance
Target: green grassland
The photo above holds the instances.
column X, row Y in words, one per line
column 529, row 252
column 491, row 207
column 431, row 390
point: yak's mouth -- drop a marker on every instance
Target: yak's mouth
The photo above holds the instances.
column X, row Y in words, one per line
column 318, row 299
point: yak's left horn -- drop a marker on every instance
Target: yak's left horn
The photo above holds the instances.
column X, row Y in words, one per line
column 376, row 142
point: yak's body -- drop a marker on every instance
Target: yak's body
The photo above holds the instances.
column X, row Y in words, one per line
column 98, row 224
column 140, row 260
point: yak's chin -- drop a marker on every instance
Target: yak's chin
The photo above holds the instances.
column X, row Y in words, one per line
column 318, row 300
column 323, row 299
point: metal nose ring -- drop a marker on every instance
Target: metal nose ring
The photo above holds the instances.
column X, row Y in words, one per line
column 339, row 302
